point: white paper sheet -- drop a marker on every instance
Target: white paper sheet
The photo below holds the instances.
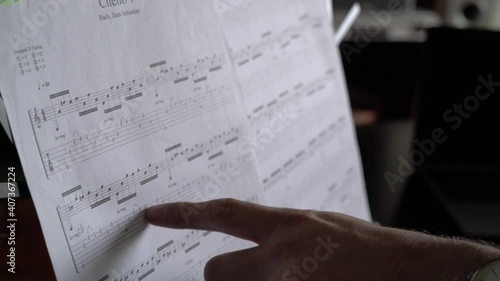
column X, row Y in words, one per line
column 119, row 105
column 296, row 102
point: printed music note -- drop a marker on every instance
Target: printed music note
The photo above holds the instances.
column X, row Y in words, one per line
column 111, row 102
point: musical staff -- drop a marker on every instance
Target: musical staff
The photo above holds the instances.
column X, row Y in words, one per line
column 88, row 146
column 340, row 191
column 147, row 266
column 62, row 104
column 90, row 245
column 168, row 250
column 322, row 139
column 273, row 43
column 87, row 245
column 94, row 244
column 183, row 245
column 265, row 111
column 76, row 201
column 195, row 273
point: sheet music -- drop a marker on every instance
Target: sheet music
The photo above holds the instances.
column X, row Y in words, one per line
column 116, row 106
column 112, row 115
column 4, row 119
column 295, row 100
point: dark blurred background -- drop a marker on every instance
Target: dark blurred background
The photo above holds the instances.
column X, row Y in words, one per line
column 407, row 63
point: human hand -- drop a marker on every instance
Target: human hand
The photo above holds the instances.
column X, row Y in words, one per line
column 295, row 245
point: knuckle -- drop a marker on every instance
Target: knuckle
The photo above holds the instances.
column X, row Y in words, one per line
column 225, row 209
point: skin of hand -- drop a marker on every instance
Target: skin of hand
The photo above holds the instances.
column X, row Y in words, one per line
column 296, row 245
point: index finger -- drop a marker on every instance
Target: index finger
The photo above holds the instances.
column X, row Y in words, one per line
column 237, row 218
